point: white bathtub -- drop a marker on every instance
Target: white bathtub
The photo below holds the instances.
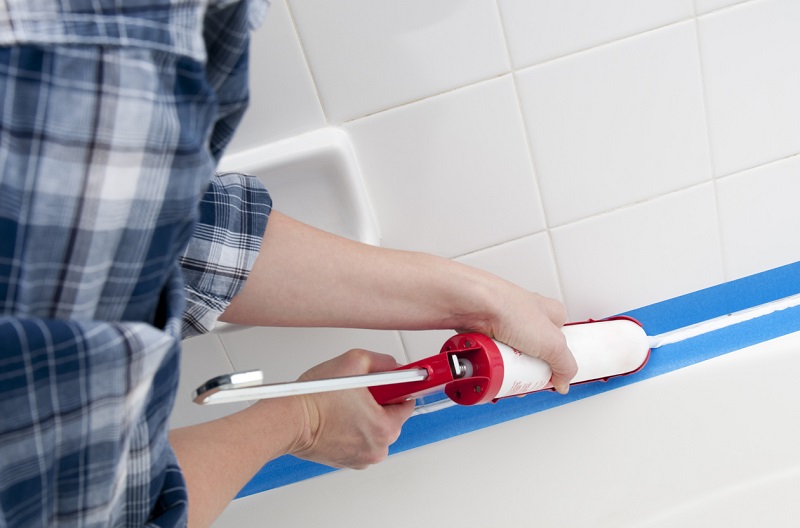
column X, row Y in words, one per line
column 713, row 444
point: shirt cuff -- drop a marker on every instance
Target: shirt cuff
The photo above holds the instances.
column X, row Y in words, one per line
column 221, row 252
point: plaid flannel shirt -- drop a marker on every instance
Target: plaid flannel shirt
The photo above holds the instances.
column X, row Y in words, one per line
column 115, row 237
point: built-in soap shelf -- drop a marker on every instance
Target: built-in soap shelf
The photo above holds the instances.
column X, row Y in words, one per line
column 313, row 178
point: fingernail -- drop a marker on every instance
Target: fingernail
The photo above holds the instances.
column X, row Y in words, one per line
column 563, row 389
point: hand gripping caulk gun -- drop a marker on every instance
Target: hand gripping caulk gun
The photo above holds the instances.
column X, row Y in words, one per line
column 471, row 368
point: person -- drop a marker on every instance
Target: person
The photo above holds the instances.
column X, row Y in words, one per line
column 117, row 239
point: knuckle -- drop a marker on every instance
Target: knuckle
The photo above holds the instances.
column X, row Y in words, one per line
column 393, row 433
column 554, row 309
column 560, row 312
column 390, row 430
column 356, row 360
column 377, row 455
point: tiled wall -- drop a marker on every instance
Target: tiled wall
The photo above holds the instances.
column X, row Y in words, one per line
column 610, row 154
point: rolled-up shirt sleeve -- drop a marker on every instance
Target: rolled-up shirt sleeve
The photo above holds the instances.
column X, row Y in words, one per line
column 221, row 252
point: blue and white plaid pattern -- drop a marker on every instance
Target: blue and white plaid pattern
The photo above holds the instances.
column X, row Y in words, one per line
column 113, row 116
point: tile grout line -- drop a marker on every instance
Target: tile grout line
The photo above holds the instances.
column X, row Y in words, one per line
column 469, row 84
column 498, row 244
column 604, row 44
column 723, row 8
column 404, row 347
column 638, row 203
column 709, row 145
column 224, row 351
column 794, row 154
column 645, row 201
column 325, row 114
column 531, row 158
column 293, row 21
column 668, row 193
column 514, row 69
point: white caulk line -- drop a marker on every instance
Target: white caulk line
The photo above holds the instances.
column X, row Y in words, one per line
column 426, row 408
column 704, row 327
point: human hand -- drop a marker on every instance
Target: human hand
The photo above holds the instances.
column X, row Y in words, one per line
column 348, row 428
column 531, row 323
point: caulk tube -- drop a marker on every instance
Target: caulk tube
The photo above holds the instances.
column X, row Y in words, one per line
column 495, row 370
column 521, row 374
column 602, row 350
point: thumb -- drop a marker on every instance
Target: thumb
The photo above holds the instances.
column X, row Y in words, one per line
column 399, row 412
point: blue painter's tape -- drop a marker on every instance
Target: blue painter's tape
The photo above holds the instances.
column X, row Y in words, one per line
column 657, row 318
column 719, row 300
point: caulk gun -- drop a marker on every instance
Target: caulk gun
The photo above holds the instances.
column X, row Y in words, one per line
column 471, row 368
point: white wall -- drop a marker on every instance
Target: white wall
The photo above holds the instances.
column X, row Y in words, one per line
column 610, row 154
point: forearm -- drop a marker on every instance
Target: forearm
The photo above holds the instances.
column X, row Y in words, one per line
column 218, row 458
column 306, row 277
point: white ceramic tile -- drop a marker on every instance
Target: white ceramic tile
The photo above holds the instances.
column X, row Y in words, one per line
column 283, row 99
column 367, row 56
column 450, row 174
column 639, row 255
column 538, row 30
column 527, row 262
column 750, row 55
column 285, row 353
column 759, row 218
column 706, row 6
column 202, row 358
column 617, row 124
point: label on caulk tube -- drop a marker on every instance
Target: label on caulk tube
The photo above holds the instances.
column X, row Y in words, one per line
column 521, row 373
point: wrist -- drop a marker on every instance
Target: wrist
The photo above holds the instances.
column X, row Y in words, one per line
column 284, row 421
column 306, row 427
column 477, row 299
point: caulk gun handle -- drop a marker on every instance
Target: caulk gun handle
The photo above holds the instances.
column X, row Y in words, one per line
column 438, row 374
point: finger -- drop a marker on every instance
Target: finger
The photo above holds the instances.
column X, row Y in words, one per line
column 555, row 311
column 353, row 362
column 562, row 363
column 381, row 362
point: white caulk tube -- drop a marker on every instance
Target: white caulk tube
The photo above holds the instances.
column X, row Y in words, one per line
column 602, row 349
column 521, row 374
